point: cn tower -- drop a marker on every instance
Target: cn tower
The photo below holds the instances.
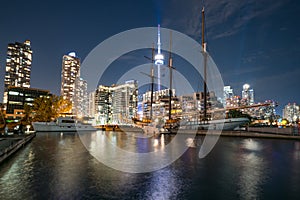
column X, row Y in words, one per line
column 158, row 58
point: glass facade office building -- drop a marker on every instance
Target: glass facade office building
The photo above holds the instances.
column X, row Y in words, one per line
column 18, row 97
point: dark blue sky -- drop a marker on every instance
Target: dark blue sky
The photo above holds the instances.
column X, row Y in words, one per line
column 254, row 41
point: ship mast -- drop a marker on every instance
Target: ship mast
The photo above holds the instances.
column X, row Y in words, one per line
column 152, row 83
column 151, row 75
column 170, row 68
column 205, row 63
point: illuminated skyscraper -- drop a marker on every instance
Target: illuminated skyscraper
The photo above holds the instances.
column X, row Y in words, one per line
column 116, row 104
column 247, row 95
column 18, row 66
column 158, row 58
column 228, row 94
column 80, row 106
column 291, row 112
column 124, row 101
column 69, row 74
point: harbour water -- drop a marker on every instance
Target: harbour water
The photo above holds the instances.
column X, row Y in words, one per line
column 58, row 166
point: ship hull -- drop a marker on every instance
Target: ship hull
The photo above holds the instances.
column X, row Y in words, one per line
column 222, row 124
column 52, row 127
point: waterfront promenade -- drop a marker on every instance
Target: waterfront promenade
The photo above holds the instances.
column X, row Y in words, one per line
column 11, row 144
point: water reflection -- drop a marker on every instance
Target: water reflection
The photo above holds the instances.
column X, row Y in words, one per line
column 58, row 166
column 251, row 145
column 297, row 151
column 67, row 168
column 252, row 169
column 164, row 184
column 11, row 179
column 193, row 142
column 129, row 153
column 159, row 143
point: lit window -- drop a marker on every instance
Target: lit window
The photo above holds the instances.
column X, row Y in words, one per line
column 13, row 93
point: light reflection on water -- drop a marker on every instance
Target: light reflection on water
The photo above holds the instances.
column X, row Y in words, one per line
column 131, row 152
column 297, row 151
column 57, row 166
column 252, row 169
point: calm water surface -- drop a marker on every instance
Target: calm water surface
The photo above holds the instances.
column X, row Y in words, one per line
column 58, row 166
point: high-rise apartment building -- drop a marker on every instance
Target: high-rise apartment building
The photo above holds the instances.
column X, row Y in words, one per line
column 116, row 104
column 91, row 104
column 124, row 101
column 291, row 112
column 69, row 74
column 228, row 94
column 80, row 106
column 266, row 112
column 234, row 101
column 193, row 104
column 102, row 104
column 160, row 104
column 18, row 66
column 247, row 95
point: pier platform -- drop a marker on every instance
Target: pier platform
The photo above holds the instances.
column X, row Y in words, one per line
column 252, row 134
column 244, row 133
column 11, row 144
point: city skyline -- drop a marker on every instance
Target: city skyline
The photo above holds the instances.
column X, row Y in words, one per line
column 261, row 36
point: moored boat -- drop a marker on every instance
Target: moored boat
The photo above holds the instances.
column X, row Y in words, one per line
column 62, row 124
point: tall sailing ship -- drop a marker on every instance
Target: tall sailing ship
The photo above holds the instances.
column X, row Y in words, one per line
column 205, row 122
column 207, row 119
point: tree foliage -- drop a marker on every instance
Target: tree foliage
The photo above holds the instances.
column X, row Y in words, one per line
column 61, row 105
column 42, row 109
column 2, row 119
column 48, row 108
column 27, row 115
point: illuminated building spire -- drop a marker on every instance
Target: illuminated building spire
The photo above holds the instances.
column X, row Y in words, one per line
column 158, row 58
column 158, row 39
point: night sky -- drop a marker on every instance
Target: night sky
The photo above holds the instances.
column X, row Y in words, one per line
column 254, row 41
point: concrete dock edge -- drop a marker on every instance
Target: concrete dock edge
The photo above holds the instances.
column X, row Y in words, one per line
column 7, row 151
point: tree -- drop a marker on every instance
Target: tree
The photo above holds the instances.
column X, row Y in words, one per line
column 48, row 108
column 61, row 105
column 42, row 109
column 27, row 114
column 2, row 119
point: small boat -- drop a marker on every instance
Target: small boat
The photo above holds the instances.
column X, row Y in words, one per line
column 151, row 129
column 62, row 124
